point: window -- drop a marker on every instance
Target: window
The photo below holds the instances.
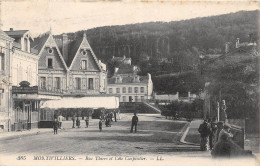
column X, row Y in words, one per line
column 142, row 89
column 117, row 90
column 57, row 82
column 43, row 115
column 124, row 99
column 83, row 52
column 124, row 90
column 110, row 90
column 43, row 83
column 50, row 50
column 129, row 89
column 78, row 83
column 2, row 63
column 50, row 63
column 84, row 64
column 90, row 83
column 142, row 98
column 136, row 98
column 136, row 89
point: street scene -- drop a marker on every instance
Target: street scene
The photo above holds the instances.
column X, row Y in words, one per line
column 129, row 81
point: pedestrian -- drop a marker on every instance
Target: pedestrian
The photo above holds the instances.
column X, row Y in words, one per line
column 55, row 126
column 226, row 148
column 100, row 125
column 78, row 122
column 73, row 121
column 115, row 116
column 134, row 123
column 60, row 117
column 204, row 131
column 225, row 130
column 87, row 121
column 213, row 129
column 220, row 126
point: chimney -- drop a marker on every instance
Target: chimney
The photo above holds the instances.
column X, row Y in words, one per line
column 11, row 29
column 65, row 47
column 237, row 43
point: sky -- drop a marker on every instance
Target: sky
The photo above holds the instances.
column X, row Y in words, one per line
column 62, row 16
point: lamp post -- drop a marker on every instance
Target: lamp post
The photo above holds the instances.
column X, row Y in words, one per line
column 201, row 59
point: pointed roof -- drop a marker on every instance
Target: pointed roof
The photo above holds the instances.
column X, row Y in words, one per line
column 3, row 34
column 41, row 43
column 75, row 49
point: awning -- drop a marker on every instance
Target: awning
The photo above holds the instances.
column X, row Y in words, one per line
column 107, row 102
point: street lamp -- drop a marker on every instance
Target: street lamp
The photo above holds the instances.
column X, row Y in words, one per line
column 201, row 59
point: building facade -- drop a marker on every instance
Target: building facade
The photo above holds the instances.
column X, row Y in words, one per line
column 69, row 67
column 127, row 84
column 24, row 74
column 6, row 50
column 131, row 88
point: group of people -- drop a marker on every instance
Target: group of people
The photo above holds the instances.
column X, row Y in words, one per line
column 217, row 137
column 108, row 119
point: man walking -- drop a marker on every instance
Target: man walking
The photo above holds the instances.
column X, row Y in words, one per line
column 134, row 122
column 55, row 126
column 60, row 117
column 87, row 121
column 100, row 125
column 73, row 121
column 204, row 131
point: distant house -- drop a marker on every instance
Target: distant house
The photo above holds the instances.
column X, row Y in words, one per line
column 132, row 88
column 122, row 60
column 127, row 84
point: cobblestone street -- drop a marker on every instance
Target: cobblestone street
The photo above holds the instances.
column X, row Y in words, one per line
column 155, row 135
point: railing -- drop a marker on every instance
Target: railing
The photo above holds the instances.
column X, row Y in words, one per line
column 55, row 91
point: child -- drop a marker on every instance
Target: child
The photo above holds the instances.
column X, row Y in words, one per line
column 100, row 125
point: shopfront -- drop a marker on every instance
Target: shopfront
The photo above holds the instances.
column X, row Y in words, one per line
column 26, row 107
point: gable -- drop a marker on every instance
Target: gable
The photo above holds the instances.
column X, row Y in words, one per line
column 51, row 50
column 84, row 52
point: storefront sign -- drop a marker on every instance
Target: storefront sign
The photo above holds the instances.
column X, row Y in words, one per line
column 24, row 90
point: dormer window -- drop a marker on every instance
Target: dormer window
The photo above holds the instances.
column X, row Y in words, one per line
column 49, row 62
column 83, row 65
column 50, row 50
column 119, row 79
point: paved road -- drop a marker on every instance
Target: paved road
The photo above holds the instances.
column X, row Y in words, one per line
column 155, row 135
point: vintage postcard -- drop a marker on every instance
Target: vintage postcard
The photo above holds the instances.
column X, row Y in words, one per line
column 104, row 82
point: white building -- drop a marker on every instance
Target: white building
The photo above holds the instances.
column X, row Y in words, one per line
column 24, row 72
column 6, row 43
column 131, row 88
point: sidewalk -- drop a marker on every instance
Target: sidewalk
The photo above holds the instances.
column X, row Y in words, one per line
column 191, row 136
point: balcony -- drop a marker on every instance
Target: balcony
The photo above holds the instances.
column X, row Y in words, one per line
column 50, row 91
column 70, row 92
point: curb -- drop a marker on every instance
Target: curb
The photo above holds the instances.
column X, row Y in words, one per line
column 182, row 140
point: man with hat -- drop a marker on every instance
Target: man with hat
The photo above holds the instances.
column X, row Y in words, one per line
column 220, row 126
column 225, row 130
column 204, row 131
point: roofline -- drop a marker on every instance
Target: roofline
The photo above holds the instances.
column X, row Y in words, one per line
column 94, row 56
column 57, row 50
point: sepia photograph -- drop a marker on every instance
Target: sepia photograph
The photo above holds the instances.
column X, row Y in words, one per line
column 129, row 82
